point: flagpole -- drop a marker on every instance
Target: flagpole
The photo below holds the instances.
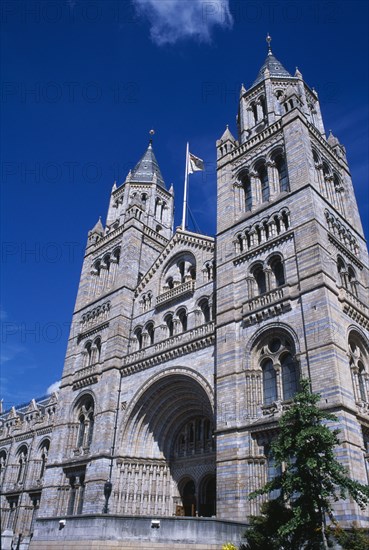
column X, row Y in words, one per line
column 183, row 226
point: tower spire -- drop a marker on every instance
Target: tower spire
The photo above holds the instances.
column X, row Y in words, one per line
column 268, row 40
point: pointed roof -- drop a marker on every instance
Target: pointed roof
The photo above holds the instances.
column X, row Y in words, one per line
column 227, row 135
column 271, row 67
column 147, row 169
column 98, row 228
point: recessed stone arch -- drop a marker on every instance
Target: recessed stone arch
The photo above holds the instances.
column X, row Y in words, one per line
column 164, row 402
column 157, row 418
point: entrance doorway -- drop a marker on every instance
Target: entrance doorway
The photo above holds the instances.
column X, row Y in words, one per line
column 189, row 498
column 207, row 504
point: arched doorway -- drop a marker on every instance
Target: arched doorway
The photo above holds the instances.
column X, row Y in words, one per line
column 167, row 446
column 188, row 496
column 207, row 497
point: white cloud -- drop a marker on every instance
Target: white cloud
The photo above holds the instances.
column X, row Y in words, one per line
column 54, row 387
column 174, row 20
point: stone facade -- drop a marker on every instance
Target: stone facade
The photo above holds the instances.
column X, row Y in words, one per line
column 184, row 349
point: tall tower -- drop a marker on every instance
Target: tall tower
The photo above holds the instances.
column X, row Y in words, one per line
column 292, row 285
column 139, row 224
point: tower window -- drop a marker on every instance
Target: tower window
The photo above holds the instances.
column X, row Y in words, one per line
column 269, row 382
column 264, row 181
column 205, row 309
column 259, row 276
column 170, row 325
column 278, row 271
column 182, row 316
column 244, row 178
column 151, row 332
column 281, row 166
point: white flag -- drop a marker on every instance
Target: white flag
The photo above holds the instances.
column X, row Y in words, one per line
column 194, row 164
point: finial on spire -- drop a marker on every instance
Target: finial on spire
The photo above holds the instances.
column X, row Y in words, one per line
column 152, row 132
column 268, row 40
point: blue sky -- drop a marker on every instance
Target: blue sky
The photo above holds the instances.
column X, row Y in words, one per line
column 84, row 81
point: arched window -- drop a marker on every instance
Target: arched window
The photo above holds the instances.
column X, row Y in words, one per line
column 205, row 309
column 289, row 376
column 168, row 319
column 254, row 112
column 341, row 268
column 107, row 261
column 96, row 351
column 352, row 282
column 151, row 332
column 281, row 165
column 276, row 266
column 87, row 354
column 264, row 182
column 275, row 353
column 138, row 335
column 259, row 276
column 263, row 106
column 269, row 382
column 244, row 178
column 182, row 316
column 85, row 415
column 361, row 377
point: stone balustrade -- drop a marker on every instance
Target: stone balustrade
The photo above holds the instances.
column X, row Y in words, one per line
column 264, row 300
column 180, row 290
column 187, row 337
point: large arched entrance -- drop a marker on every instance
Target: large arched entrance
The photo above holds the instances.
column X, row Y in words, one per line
column 168, row 449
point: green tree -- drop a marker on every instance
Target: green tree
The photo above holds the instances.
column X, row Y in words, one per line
column 312, row 479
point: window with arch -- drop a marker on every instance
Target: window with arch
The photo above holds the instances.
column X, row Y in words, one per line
column 259, row 276
column 151, row 333
column 351, row 280
column 138, row 338
column 254, row 111
column 87, row 351
column 22, row 455
column 205, row 310
column 263, row 106
column 180, row 270
column 96, row 351
column 266, row 276
column 359, row 364
column 264, row 182
column 276, row 357
column 168, row 320
column 182, row 316
column 86, row 420
column 107, row 261
column 245, row 180
column 342, row 271
column 277, row 269
column 281, row 165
